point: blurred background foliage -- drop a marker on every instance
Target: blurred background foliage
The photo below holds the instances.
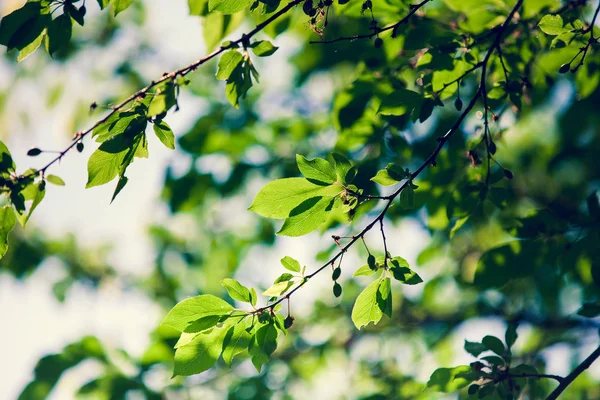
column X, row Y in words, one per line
column 525, row 252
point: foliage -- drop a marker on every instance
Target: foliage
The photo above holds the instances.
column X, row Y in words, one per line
column 444, row 113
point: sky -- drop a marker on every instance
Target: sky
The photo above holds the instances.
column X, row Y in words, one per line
column 33, row 322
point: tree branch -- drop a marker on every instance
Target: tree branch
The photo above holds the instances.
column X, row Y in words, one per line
column 243, row 40
column 574, row 374
column 430, row 160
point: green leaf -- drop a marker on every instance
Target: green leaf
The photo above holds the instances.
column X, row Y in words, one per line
column 120, row 185
column 36, row 194
column 290, row 264
column 447, row 380
column 204, row 323
column 494, row 344
column 55, row 180
column 8, row 220
column 279, row 288
column 263, row 48
column 59, row 33
column 407, row 198
column 278, row 198
column 120, row 5
column 198, row 7
column 552, row 25
column 164, row 134
column 263, row 345
column 31, row 47
column 194, row 308
column 589, row 310
column 236, row 341
column 228, row 63
column 399, row 102
column 317, row 170
column 383, row 178
column 201, row 352
column 510, row 337
column 369, row 305
column 401, row 271
column 108, row 160
column 236, row 290
column 15, row 21
column 162, row 101
column 228, row 6
column 344, row 170
column 384, row 297
column 474, row 348
column 217, row 26
column 307, row 216
column 365, row 270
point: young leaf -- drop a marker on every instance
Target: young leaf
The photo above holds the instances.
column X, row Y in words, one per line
column 236, row 341
column 365, row 270
column 401, row 271
column 367, row 307
column 55, row 180
column 552, row 25
column 162, row 101
column 194, row 308
column 474, row 348
column 384, row 297
column 278, row 288
column 511, row 334
column 120, row 5
column 236, row 290
column 290, row 264
column 494, row 344
column 343, row 168
column 228, row 63
column 307, row 217
column 407, row 198
column 164, row 134
column 8, row 220
column 278, row 198
column 263, row 345
column 228, row 6
column 201, row 352
column 318, row 170
column 59, row 33
column 263, row 48
column 383, row 178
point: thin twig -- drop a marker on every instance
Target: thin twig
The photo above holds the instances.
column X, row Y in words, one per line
column 243, row 40
column 429, row 161
column 413, row 9
column 574, row 374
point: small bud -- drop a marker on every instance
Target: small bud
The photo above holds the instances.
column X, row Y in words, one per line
column 288, row 322
column 458, row 104
column 378, row 43
column 564, row 68
column 337, row 290
column 80, row 146
column 34, row 152
column 508, row 174
column 492, row 147
column 336, row 273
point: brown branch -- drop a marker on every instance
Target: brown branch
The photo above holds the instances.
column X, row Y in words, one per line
column 413, row 9
column 429, row 161
column 574, row 374
column 243, row 40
